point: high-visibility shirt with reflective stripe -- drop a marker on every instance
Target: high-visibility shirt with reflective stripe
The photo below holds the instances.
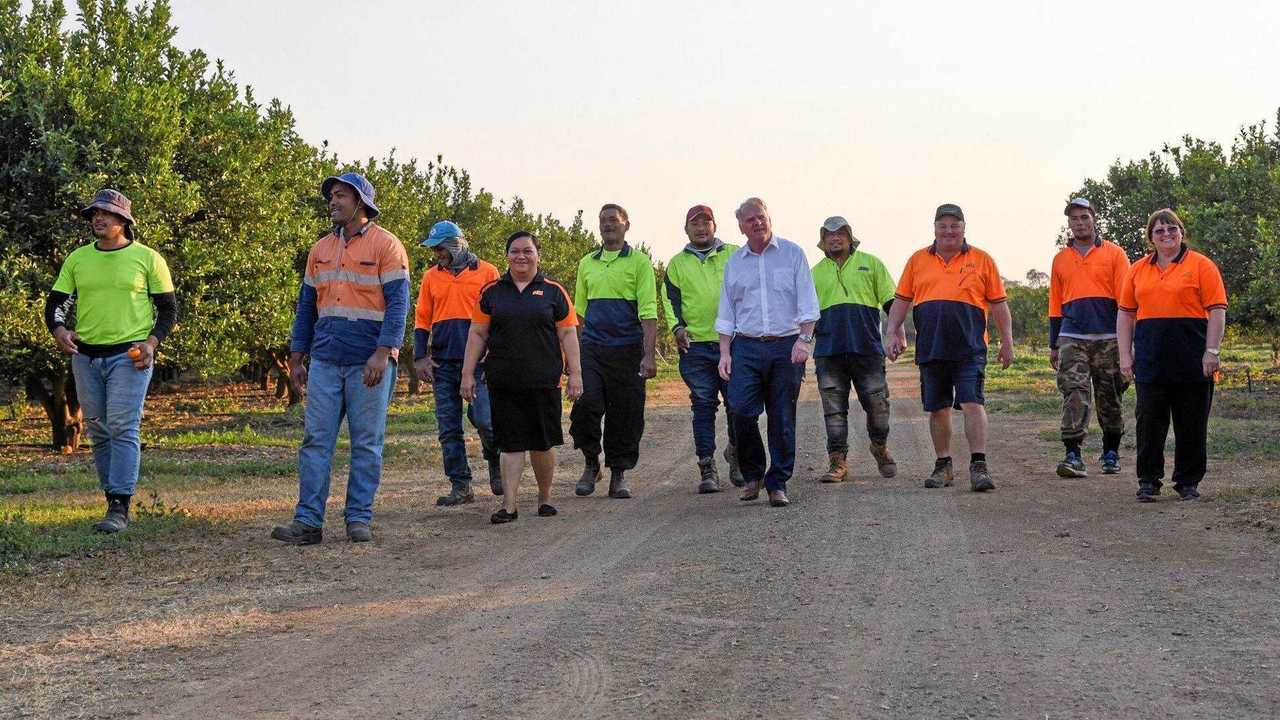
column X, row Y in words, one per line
column 616, row 289
column 1172, row 308
column 1083, row 291
column 850, row 298
column 691, row 291
column 951, row 300
column 445, row 305
column 354, row 297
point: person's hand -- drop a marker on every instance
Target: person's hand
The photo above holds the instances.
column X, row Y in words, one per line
column 726, row 366
column 298, row 372
column 425, row 367
column 1210, row 363
column 575, row 386
column 1053, row 358
column 1126, row 368
column 376, row 367
column 682, row 339
column 142, row 355
column 897, row 345
column 67, row 340
column 1005, row 355
column 801, row 352
column 468, row 386
column 648, row 368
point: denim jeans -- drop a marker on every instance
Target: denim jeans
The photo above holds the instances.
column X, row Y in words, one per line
column 763, row 379
column 865, row 373
column 334, row 392
column 446, row 385
column 700, row 368
column 111, row 392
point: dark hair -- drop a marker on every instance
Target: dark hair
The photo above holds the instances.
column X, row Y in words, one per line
column 614, row 206
column 520, row 234
column 1166, row 216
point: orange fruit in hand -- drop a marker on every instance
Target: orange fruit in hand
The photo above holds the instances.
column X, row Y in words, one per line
column 135, row 352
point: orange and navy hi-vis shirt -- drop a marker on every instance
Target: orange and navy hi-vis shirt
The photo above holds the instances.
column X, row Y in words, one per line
column 1083, row 291
column 445, row 305
column 354, row 297
column 1172, row 308
column 951, row 300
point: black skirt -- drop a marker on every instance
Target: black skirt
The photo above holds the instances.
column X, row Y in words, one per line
column 526, row 419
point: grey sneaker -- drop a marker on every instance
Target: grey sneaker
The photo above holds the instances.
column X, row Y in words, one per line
column 980, row 477
column 359, row 532
column 1072, row 466
column 456, row 496
column 735, row 472
column 942, row 476
column 296, row 533
column 116, row 519
column 709, row 474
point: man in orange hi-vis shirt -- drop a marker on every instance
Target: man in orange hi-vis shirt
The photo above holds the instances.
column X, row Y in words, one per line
column 952, row 284
column 1083, row 286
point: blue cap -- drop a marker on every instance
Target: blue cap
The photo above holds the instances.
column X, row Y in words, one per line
column 357, row 182
column 441, row 231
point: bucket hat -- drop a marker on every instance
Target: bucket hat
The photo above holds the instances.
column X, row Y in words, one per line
column 114, row 202
column 834, row 224
column 358, row 183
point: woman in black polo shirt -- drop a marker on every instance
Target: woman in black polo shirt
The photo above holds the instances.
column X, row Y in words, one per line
column 526, row 323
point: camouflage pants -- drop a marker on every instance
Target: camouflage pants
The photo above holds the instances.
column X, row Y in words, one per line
column 865, row 373
column 1085, row 363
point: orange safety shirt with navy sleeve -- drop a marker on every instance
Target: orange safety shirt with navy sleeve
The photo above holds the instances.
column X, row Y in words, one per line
column 1172, row 308
column 950, row 302
column 446, row 303
column 354, row 297
column 1083, row 291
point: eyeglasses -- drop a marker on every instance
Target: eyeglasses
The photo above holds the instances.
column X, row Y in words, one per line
column 1170, row 230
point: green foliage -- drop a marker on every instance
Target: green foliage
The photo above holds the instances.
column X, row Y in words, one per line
column 1029, row 308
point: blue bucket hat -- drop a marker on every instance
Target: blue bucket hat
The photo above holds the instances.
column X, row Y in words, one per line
column 357, row 182
column 442, row 231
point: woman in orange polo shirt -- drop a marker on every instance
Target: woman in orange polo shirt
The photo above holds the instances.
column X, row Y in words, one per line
column 1173, row 309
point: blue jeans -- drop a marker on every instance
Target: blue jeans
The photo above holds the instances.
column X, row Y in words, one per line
column 335, row 391
column 446, row 385
column 763, row 379
column 700, row 368
column 111, row 392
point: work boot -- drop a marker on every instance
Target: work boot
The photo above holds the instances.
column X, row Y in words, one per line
column 710, row 476
column 1188, row 492
column 1110, row 462
column 1148, row 490
column 617, row 485
column 735, row 472
column 980, row 477
column 1072, row 466
column 942, row 475
column 587, row 483
column 495, row 478
column 458, row 495
column 296, row 533
column 117, row 517
column 884, row 461
column 837, row 470
column 359, row 532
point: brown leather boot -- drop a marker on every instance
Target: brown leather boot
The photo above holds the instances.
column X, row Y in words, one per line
column 884, row 461
column 838, row 470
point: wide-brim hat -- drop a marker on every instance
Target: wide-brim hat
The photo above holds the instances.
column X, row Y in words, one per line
column 832, row 224
column 113, row 201
column 358, row 183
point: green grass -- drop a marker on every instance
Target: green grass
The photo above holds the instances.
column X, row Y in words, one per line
column 246, row 436
column 163, row 472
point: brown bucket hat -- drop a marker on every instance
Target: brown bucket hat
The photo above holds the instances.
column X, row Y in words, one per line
column 113, row 201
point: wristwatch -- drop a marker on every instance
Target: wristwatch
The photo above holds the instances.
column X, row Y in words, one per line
column 806, row 339
column 1212, row 351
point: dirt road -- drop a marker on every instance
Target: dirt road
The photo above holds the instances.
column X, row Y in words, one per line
column 872, row 599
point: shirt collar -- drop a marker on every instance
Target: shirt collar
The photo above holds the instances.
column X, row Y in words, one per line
column 1182, row 253
column 625, row 251
column 716, row 246
column 341, row 231
column 933, row 249
column 746, row 246
column 537, row 278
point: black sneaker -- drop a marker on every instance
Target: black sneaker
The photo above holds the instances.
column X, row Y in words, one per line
column 1110, row 462
column 1187, row 493
column 1072, row 466
column 587, row 483
column 296, row 533
column 456, row 496
column 710, row 477
column 116, row 519
column 502, row 516
column 1147, row 492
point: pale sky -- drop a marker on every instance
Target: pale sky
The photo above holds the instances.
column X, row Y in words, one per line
column 875, row 111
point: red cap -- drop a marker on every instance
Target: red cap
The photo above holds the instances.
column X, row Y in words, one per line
column 697, row 210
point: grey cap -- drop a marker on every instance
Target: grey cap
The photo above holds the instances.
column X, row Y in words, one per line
column 1079, row 202
column 948, row 209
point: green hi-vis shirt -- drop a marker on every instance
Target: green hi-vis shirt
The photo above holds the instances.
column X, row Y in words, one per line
column 691, row 291
column 113, row 291
column 850, row 297
column 616, row 290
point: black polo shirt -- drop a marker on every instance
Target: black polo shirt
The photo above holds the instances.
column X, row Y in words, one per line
column 524, row 349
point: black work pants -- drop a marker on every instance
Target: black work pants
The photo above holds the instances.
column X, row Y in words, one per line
column 1187, row 404
column 612, row 389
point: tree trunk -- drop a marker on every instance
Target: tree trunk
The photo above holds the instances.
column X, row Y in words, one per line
column 57, row 395
column 413, row 374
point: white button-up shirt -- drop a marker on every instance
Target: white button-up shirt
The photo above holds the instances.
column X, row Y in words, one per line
column 770, row 293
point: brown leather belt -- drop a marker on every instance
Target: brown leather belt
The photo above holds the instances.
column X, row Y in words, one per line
column 768, row 338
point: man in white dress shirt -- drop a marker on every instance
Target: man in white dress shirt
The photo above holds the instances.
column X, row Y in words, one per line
column 768, row 308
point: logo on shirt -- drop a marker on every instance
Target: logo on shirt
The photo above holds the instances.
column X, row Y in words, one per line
column 864, row 268
column 536, row 292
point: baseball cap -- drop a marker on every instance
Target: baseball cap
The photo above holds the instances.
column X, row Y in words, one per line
column 948, row 209
column 697, row 210
column 1079, row 202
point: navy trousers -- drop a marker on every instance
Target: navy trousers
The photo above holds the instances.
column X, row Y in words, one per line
column 763, row 379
